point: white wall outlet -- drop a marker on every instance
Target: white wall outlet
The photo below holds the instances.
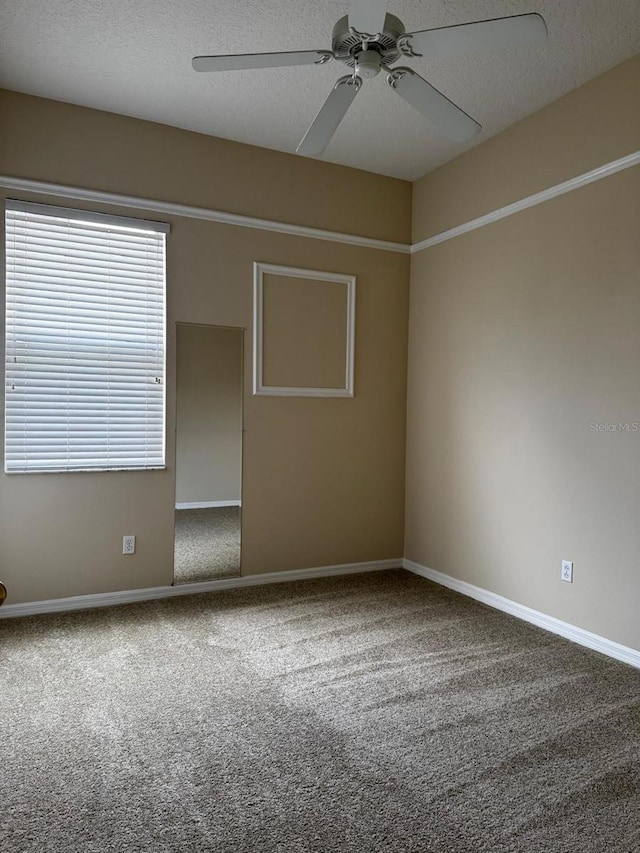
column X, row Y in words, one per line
column 566, row 573
column 128, row 544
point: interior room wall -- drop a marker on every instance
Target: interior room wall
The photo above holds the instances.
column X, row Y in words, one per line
column 43, row 140
column 592, row 125
column 323, row 478
column 208, row 414
column 524, row 359
column 304, row 332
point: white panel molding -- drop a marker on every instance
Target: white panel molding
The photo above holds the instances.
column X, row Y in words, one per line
column 527, row 614
column 128, row 596
column 205, row 504
column 259, row 388
column 530, row 201
column 210, row 215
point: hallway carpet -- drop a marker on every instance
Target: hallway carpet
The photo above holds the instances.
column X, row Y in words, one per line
column 375, row 712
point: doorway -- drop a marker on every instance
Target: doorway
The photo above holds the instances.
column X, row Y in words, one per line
column 208, row 500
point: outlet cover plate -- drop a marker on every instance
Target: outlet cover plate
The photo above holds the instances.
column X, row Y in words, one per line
column 566, row 572
column 128, row 544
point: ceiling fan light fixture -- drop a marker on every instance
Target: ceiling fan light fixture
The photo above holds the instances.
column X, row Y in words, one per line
column 368, row 63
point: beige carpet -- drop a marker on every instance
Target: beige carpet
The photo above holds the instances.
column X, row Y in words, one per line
column 368, row 713
column 207, row 544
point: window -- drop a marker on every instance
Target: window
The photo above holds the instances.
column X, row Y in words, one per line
column 85, row 340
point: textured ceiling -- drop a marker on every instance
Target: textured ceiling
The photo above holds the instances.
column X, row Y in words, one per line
column 134, row 57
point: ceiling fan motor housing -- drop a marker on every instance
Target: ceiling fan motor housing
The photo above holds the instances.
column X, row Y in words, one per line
column 348, row 47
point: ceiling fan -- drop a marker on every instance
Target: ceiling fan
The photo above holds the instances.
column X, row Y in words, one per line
column 369, row 40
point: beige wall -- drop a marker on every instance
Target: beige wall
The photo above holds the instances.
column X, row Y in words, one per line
column 71, row 145
column 323, row 479
column 523, row 334
column 593, row 125
column 208, row 413
column 304, row 332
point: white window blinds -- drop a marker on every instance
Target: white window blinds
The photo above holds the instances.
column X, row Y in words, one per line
column 85, row 340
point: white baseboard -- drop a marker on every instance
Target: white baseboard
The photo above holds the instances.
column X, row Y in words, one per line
column 205, row 504
column 549, row 623
column 127, row 596
column 542, row 620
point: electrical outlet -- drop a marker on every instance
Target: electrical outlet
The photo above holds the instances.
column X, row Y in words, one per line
column 566, row 572
column 128, row 544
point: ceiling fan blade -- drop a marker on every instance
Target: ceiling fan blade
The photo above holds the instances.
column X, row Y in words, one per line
column 434, row 106
column 331, row 114
column 367, row 16
column 515, row 31
column 242, row 61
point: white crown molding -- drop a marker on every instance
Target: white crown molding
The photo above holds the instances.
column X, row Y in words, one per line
column 259, row 388
column 128, row 596
column 530, row 201
column 170, row 208
column 542, row 620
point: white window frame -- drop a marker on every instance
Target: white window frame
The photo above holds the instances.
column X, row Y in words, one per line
column 24, row 265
